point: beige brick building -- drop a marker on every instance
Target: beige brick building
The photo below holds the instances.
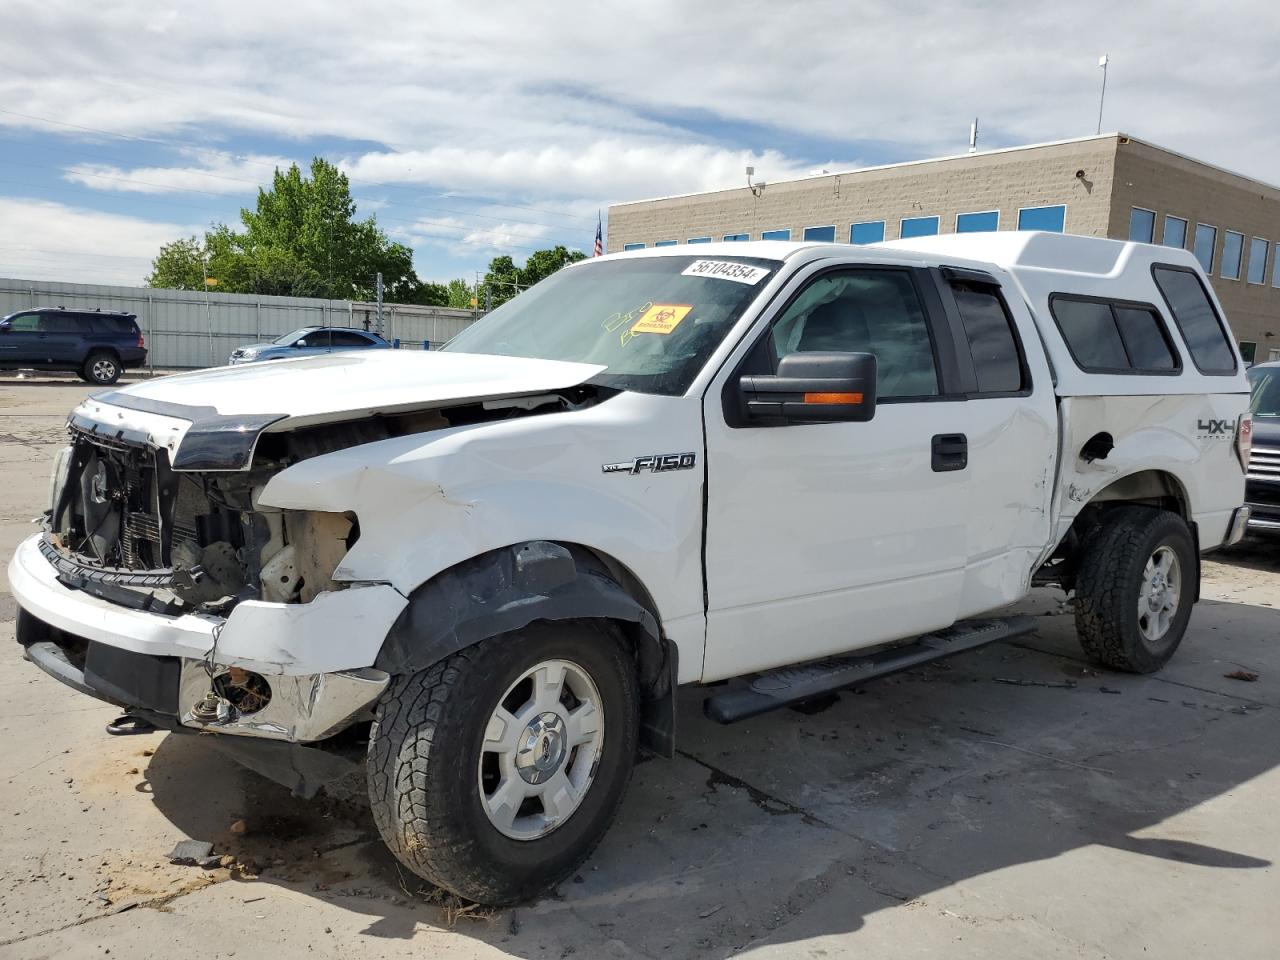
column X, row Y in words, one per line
column 1105, row 186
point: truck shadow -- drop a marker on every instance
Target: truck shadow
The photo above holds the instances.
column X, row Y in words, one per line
column 1255, row 552
column 800, row 825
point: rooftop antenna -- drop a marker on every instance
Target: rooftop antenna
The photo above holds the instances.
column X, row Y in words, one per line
column 756, row 188
column 1102, row 62
column 973, row 136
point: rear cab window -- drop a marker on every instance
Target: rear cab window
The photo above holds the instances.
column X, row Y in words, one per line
column 1201, row 326
column 998, row 362
column 1114, row 336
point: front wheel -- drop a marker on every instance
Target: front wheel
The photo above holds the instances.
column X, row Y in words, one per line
column 1135, row 589
column 495, row 772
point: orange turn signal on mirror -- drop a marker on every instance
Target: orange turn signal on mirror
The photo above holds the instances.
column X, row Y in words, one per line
column 833, row 398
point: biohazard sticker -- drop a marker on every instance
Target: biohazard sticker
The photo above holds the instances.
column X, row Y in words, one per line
column 662, row 318
column 726, row 270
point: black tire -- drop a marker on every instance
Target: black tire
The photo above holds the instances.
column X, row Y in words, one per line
column 102, row 367
column 1110, row 581
column 425, row 750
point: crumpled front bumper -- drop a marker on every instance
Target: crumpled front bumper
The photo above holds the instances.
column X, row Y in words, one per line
column 316, row 657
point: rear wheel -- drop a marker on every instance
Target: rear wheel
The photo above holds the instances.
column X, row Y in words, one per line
column 495, row 772
column 1135, row 587
column 101, row 367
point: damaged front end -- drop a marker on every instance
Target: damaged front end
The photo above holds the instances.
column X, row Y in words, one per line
column 125, row 526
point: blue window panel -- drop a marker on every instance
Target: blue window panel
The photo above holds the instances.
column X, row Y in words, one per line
column 1050, row 219
column 820, row 234
column 985, row 222
column 1142, row 225
column 1275, row 265
column 918, row 227
column 699, row 239
column 665, row 243
column 1175, row 232
column 736, row 237
column 633, row 246
column 776, row 235
column 1232, row 249
column 1206, row 241
column 869, row 231
column 1257, row 260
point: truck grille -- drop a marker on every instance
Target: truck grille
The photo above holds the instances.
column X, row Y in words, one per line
column 1264, row 464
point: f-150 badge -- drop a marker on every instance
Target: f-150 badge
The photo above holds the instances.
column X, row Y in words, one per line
column 657, row 463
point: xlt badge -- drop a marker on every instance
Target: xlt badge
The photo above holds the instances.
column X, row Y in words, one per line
column 657, row 463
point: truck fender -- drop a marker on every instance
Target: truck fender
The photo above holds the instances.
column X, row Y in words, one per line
column 503, row 590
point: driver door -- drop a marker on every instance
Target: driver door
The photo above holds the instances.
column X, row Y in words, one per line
column 825, row 537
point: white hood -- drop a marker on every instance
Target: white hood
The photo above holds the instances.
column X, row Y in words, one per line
column 211, row 419
column 358, row 382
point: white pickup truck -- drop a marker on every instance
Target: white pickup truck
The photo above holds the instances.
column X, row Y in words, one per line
column 798, row 466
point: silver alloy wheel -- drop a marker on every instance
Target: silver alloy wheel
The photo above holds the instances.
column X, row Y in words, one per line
column 1159, row 594
column 540, row 750
column 103, row 370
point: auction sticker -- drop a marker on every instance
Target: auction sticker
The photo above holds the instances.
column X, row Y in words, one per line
column 662, row 318
column 726, row 270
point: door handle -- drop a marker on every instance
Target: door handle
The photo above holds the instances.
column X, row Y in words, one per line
column 950, row 452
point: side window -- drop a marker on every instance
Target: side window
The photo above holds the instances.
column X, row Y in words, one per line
column 24, row 322
column 59, row 323
column 1196, row 318
column 342, row 338
column 865, row 311
column 1110, row 337
column 993, row 344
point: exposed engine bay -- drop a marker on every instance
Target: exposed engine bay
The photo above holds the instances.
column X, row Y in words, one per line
column 125, row 526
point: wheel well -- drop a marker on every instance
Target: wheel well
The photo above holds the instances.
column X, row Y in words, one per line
column 1153, row 488
column 502, row 591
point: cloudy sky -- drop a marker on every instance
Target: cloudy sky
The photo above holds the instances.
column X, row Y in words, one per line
column 472, row 129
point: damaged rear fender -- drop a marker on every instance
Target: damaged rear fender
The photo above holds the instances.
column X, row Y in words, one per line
column 504, row 590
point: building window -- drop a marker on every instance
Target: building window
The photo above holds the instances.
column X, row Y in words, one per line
column 1142, row 225
column 1275, row 266
column 1050, row 219
column 737, row 237
column 776, row 235
column 1248, row 350
column 665, row 243
column 699, row 239
column 984, row 222
column 821, row 234
column 918, row 227
column 1202, row 329
column 869, row 231
column 1232, row 249
column 633, row 246
column 1206, row 243
column 1175, row 232
column 1257, row 261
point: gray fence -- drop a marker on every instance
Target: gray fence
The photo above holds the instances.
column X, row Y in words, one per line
column 187, row 328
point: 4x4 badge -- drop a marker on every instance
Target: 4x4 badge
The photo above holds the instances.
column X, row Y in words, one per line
column 657, row 463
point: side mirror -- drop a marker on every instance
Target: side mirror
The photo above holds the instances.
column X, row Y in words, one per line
column 819, row 387
column 5, row 326
column 301, row 343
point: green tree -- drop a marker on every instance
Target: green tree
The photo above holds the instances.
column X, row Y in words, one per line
column 504, row 279
column 301, row 239
column 460, row 294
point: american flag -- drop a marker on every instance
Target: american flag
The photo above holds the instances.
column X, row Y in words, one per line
column 599, row 251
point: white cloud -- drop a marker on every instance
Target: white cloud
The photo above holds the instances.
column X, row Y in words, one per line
column 219, row 173
column 40, row 240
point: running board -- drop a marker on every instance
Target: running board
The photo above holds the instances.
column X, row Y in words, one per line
column 789, row 685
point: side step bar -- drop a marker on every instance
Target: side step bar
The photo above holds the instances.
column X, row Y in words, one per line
column 788, row 685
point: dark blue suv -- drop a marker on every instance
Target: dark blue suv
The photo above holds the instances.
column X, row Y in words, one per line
column 98, row 346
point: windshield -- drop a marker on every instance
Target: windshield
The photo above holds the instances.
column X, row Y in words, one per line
column 653, row 321
column 1265, row 400
column 290, row 338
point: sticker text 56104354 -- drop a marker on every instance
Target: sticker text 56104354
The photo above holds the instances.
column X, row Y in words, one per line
column 726, row 270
